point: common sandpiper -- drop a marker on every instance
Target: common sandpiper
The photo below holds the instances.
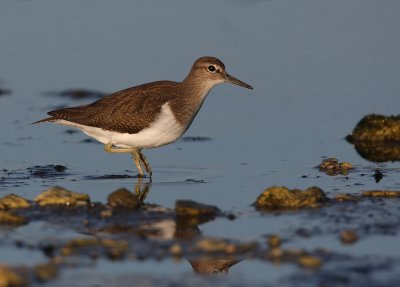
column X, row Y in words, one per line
column 149, row 115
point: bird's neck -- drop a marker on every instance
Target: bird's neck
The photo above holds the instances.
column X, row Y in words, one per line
column 194, row 92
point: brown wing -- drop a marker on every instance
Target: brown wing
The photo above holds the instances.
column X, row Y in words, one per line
column 127, row 111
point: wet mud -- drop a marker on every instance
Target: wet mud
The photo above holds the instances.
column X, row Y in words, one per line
column 195, row 139
column 4, row 92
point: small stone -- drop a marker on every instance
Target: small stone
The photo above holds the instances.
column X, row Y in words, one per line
column 175, row 249
column 106, row 213
column 8, row 218
column 192, row 208
column 123, row 198
column 74, row 245
column 116, row 249
column 60, row 196
column 274, row 241
column 9, row 278
column 45, row 272
column 331, row 166
column 280, row 197
column 346, row 197
column 14, row 201
column 309, row 261
column 348, row 236
column 275, row 253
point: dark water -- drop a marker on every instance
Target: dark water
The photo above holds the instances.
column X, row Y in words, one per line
column 317, row 68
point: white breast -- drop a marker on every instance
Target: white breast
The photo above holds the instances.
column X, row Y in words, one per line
column 164, row 130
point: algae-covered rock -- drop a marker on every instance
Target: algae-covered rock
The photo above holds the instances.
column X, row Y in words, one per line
column 9, row 278
column 11, row 201
column 381, row 193
column 8, row 218
column 280, row 197
column 192, row 208
column 60, row 196
column 123, row 198
column 376, row 128
column 309, row 261
column 331, row 166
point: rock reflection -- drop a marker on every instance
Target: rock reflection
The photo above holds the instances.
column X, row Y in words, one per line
column 378, row 152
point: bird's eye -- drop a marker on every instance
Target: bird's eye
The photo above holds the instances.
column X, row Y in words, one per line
column 211, row 68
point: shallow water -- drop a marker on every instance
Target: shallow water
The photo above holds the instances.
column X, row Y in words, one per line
column 317, row 68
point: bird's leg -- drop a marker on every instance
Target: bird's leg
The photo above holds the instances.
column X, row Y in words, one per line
column 142, row 189
column 135, row 152
column 108, row 148
column 145, row 162
column 136, row 158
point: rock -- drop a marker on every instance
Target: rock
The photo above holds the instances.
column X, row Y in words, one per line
column 192, row 208
column 74, row 245
column 309, row 261
column 9, row 278
column 60, row 196
column 348, row 236
column 331, row 166
column 280, row 197
column 123, row 198
column 11, row 201
column 45, row 272
column 8, row 218
column 381, row 193
column 376, row 128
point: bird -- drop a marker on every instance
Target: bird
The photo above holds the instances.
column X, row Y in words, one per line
column 148, row 115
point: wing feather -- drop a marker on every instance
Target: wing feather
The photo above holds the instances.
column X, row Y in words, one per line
column 126, row 111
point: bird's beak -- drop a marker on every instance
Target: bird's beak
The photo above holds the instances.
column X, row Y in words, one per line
column 233, row 80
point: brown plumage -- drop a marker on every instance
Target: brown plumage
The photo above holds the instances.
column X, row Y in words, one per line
column 117, row 111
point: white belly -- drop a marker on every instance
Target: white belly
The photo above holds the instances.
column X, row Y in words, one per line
column 164, row 130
